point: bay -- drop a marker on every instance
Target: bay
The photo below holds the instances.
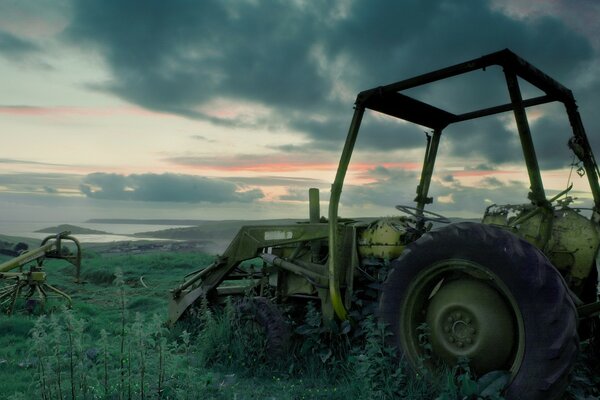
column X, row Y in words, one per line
column 115, row 232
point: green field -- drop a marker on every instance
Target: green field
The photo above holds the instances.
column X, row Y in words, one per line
column 113, row 344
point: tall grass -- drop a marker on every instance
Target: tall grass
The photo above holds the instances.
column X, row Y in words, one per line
column 116, row 347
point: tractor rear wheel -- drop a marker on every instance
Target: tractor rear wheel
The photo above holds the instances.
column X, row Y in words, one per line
column 486, row 295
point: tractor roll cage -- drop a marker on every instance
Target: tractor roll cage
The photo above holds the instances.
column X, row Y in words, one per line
column 388, row 100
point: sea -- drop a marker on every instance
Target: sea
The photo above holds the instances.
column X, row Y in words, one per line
column 115, row 232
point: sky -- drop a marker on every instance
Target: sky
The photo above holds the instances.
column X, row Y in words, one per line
column 234, row 109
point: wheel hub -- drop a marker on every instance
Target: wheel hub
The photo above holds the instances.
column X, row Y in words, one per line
column 468, row 318
column 460, row 329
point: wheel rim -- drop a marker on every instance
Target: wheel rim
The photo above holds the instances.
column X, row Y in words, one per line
column 469, row 313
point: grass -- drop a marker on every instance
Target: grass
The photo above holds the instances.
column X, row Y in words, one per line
column 113, row 345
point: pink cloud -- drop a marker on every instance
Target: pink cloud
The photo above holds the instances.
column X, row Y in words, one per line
column 69, row 111
column 248, row 163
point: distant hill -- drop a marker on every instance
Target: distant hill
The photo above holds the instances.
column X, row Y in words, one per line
column 75, row 230
column 189, row 222
column 210, row 230
column 219, row 233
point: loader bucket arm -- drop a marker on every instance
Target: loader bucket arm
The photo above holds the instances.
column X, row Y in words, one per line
column 249, row 243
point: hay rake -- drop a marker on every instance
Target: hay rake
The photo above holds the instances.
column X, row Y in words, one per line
column 32, row 283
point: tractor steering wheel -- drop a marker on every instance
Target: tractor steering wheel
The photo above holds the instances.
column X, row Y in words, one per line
column 427, row 215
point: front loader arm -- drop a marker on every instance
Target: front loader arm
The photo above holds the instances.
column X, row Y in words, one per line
column 247, row 244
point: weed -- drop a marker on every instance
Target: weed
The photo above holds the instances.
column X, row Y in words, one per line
column 101, row 349
column 105, row 361
column 120, row 283
column 328, row 345
column 144, row 303
column 99, row 277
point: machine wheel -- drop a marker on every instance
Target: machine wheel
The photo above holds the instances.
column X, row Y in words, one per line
column 590, row 328
column 265, row 318
column 489, row 296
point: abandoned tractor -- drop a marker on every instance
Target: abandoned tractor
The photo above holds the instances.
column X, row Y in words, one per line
column 508, row 293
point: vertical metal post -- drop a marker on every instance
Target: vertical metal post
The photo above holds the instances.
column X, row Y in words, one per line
column 314, row 207
column 427, row 172
column 537, row 195
column 589, row 163
column 314, row 218
column 334, row 201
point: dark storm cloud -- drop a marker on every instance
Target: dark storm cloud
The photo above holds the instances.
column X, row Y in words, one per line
column 165, row 188
column 301, row 59
column 174, row 55
column 551, row 135
column 13, row 46
column 488, row 137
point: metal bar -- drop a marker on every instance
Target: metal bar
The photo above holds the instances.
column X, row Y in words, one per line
column 505, row 58
column 453, row 70
column 536, row 101
column 538, row 196
column 294, row 268
column 197, row 277
column 234, row 290
column 408, row 109
column 61, row 293
column 26, row 257
column 334, row 201
column 57, row 253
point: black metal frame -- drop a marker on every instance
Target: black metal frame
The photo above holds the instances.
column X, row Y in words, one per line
column 388, row 100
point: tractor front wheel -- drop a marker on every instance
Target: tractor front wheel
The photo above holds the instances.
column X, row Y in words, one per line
column 265, row 322
column 482, row 293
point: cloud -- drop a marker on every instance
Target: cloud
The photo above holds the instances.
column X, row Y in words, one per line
column 50, row 190
column 27, row 162
column 13, row 46
column 391, row 187
column 31, row 182
column 305, row 63
column 581, row 16
column 295, row 194
column 165, row 188
column 286, row 181
column 551, row 134
column 475, row 200
column 488, row 138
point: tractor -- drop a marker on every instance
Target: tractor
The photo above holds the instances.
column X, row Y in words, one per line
column 514, row 292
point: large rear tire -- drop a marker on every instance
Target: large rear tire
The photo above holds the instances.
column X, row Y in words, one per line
column 489, row 296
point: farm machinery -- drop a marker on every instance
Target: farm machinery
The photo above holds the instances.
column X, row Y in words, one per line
column 32, row 283
column 513, row 292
